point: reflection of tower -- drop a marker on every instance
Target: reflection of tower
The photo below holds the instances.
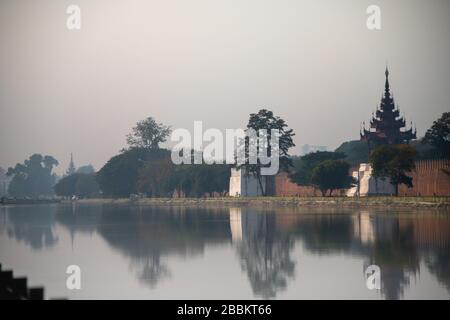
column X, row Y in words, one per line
column 236, row 224
column 363, row 227
column 72, row 226
column 245, row 227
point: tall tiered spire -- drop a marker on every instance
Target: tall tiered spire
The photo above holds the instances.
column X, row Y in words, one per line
column 386, row 84
column 387, row 126
column 71, row 169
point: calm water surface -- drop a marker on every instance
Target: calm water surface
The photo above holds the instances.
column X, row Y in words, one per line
column 227, row 253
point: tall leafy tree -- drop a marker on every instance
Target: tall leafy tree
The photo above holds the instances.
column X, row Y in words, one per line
column 393, row 162
column 148, row 134
column 33, row 177
column 439, row 135
column 266, row 120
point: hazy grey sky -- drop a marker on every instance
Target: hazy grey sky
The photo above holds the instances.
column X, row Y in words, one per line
column 313, row 62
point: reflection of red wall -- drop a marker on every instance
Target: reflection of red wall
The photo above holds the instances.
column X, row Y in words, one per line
column 428, row 231
column 429, row 179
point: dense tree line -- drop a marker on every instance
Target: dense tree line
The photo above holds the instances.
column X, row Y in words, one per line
column 151, row 172
column 145, row 168
column 78, row 184
column 33, row 177
column 328, row 171
column 439, row 135
column 200, row 180
column 3, row 182
column 119, row 176
column 322, row 170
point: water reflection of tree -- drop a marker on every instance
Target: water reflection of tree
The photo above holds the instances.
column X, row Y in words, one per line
column 146, row 235
column 438, row 263
column 265, row 253
column 263, row 240
column 327, row 233
column 150, row 270
column 32, row 224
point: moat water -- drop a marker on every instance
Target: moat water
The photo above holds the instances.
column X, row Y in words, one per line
column 227, row 253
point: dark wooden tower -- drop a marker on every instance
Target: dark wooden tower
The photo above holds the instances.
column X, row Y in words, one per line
column 386, row 125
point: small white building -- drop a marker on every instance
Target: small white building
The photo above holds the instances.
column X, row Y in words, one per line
column 369, row 185
column 244, row 184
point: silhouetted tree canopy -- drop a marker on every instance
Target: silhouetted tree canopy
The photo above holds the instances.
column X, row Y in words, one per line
column 87, row 169
column 3, row 182
column 198, row 180
column 266, row 120
column 355, row 152
column 78, row 184
column 119, row 176
column 330, row 175
column 393, row 162
column 33, row 177
column 303, row 167
column 154, row 178
column 148, row 134
column 439, row 135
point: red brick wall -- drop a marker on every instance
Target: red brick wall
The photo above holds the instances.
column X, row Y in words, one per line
column 429, row 179
column 285, row 188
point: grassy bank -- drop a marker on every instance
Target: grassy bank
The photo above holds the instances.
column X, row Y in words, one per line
column 379, row 202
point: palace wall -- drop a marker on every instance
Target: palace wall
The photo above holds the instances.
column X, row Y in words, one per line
column 286, row 188
column 429, row 179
